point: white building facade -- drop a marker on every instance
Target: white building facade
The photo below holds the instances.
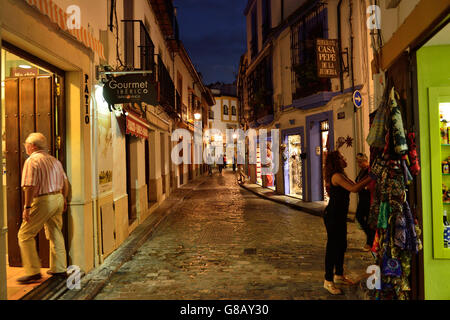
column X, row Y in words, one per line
column 280, row 88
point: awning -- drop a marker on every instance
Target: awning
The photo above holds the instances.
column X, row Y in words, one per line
column 137, row 126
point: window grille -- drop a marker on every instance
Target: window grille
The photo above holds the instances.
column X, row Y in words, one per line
column 304, row 33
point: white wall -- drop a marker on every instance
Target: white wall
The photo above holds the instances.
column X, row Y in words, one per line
column 392, row 19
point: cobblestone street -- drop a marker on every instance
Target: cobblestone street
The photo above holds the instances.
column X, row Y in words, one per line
column 227, row 243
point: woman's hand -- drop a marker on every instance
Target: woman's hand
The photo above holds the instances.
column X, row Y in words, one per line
column 346, row 183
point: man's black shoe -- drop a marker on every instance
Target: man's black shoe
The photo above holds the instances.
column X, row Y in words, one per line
column 57, row 274
column 29, row 279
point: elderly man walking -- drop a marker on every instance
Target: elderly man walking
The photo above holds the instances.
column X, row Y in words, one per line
column 45, row 187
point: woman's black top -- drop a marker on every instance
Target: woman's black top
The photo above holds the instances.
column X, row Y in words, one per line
column 339, row 202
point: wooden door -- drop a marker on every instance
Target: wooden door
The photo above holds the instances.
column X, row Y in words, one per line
column 29, row 107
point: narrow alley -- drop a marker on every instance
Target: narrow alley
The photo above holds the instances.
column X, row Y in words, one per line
column 227, row 243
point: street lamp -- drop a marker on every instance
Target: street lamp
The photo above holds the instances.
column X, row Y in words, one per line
column 197, row 116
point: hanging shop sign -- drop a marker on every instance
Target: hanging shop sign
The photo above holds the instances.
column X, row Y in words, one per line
column 327, row 58
column 130, row 88
column 137, row 126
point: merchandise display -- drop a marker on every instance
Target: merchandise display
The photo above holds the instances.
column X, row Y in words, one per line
column 393, row 166
column 295, row 166
column 444, row 114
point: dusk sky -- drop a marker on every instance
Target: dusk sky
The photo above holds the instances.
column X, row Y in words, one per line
column 213, row 32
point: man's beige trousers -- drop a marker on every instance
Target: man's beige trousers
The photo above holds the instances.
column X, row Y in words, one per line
column 46, row 211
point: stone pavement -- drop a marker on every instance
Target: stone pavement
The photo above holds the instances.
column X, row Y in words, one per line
column 224, row 242
column 316, row 208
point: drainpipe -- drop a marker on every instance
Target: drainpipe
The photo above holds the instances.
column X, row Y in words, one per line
column 3, row 228
column 341, row 76
column 94, row 168
column 356, row 129
column 351, row 43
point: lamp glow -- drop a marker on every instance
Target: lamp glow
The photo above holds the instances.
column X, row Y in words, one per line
column 197, row 116
column 24, row 66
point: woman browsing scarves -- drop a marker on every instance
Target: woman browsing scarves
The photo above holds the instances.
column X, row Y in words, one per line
column 339, row 187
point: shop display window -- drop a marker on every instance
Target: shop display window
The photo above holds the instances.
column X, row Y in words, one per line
column 440, row 170
column 444, row 128
column 295, row 166
column 28, row 94
column 324, row 133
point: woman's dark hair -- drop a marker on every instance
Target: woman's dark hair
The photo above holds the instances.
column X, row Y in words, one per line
column 333, row 165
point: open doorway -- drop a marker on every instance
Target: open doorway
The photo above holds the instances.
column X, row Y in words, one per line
column 319, row 140
column 293, row 171
column 131, row 177
column 32, row 93
column 324, row 147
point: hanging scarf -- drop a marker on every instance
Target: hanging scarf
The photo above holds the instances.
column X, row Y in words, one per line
column 398, row 133
column 385, row 211
column 406, row 174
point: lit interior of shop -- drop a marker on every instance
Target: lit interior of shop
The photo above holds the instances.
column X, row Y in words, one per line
column 433, row 79
column 295, row 166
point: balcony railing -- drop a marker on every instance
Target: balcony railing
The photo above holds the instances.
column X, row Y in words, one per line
column 166, row 87
column 178, row 105
column 146, row 46
column 254, row 47
column 184, row 112
column 167, row 21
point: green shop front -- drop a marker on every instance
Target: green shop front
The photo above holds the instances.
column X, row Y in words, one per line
column 433, row 102
column 419, row 70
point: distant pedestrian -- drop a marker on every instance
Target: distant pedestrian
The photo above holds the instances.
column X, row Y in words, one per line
column 45, row 189
column 234, row 163
column 339, row 187
column 210, row 163
column 269, row 167
column 362, row 211
column 222, row 165
column 241, row 178
column 240, row 169
column 210, row 170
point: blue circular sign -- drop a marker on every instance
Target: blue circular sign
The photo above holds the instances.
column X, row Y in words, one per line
column 357, row 99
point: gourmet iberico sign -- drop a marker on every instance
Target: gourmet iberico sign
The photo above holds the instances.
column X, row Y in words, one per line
column 327, row 58
column 130, row 88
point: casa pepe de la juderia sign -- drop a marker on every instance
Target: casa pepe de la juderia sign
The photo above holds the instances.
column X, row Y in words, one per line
column 130, row 88
column 327, row 58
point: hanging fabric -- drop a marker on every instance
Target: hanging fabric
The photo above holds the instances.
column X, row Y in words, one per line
column 398, row 132
column 414, row 166
column 377, row 132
